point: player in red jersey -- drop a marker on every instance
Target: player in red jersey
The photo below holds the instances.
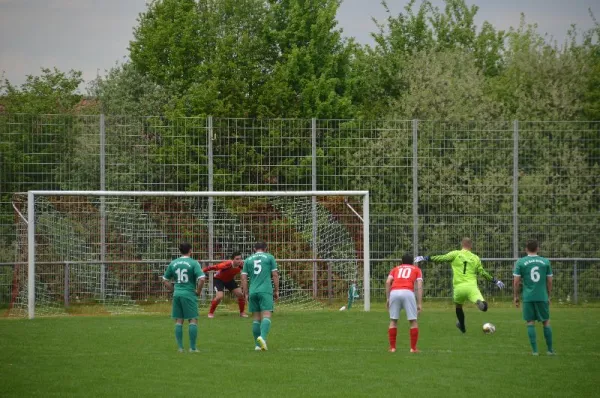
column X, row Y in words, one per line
column 400, row 293
column 224, row 278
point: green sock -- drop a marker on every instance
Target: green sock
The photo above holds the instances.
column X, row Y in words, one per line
column 193, row 335
column 548, row 337
column 532, row 337
column 179, row 335
column 265, row 326
column 255, row 330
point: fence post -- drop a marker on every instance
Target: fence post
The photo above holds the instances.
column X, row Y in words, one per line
column 516, row 189
column 415, row 186
column 314, row 205
column 575, row 284
column 67, row 284
column 211, row 222
column 102, row 207
column 330, row 282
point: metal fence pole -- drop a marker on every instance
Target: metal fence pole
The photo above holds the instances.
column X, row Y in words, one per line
column 314, row 205
column 575, row 284
column 516, row 189
column 67, row 284
column 415, row 186
column 211, row 221
column 102, row 208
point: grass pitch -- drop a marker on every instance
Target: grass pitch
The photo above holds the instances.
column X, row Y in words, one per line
column 326, row 353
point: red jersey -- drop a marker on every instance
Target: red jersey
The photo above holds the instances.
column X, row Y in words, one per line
column 405, row 276
column 225, row 270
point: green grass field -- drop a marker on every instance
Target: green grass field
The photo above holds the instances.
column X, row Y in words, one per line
column 326, row 353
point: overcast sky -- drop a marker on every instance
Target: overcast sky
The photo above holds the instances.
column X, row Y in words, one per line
column 91, row 35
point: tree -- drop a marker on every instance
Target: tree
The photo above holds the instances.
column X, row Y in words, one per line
column 310, row 75
column 380, row 70
column 443, row 85
column 53, row 91
column 167, row 42
column 539, row 81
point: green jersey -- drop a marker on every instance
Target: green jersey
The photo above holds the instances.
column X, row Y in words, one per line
column 185, row 271
column 258, row 267
column 465, row 266
column 533, row 270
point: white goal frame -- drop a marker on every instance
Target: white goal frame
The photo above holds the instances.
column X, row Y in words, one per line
column 31, row 195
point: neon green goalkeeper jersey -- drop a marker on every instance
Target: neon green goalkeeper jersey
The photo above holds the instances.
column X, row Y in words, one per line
column 258, row 267
column 466, row 266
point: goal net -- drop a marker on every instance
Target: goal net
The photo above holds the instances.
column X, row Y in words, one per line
column 104, row 252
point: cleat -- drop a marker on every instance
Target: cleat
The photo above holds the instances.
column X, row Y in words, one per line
column 211, row 315
column 243, row 315
column 180, row 350
column 196, row 350
column 262, row 343
column 460, row 327
column 535, row 354
column 414, row 351
column 392, row 350
column 551, row 353
column 257, row 348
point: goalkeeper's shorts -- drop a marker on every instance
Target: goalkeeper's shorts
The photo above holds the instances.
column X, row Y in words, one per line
column 466, row 292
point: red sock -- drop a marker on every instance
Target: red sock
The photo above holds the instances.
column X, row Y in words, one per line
column 242, row 304
column 392, row 332
column 414, row 336
column 213, row 306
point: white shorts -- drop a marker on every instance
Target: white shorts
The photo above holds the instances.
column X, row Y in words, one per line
column 403, row 299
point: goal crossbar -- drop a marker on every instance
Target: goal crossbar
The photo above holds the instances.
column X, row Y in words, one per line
column 31, row 195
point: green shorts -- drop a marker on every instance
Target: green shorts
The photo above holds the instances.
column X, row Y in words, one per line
column 536, row 311
column 259, row 302
column 463, row 293
column 185, row 307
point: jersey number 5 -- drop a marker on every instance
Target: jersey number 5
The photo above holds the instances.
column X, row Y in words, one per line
column 182, row 276
column 257, row 267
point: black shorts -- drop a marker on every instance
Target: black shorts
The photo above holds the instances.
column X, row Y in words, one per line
column 220, row 285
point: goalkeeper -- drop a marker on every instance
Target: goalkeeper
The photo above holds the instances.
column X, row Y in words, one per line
column 466, row 266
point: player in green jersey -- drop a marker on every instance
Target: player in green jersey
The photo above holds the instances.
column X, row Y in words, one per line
column 466, row 266
column 261, row 269
column 536, row 274
column 185, row 278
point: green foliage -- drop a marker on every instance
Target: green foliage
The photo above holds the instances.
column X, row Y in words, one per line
column 126, row 91
column 51, row 92
column 167, row 44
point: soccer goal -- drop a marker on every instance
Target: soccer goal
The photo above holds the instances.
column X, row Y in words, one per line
column 93, row 252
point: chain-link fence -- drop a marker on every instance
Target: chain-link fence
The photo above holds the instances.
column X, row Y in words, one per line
column 431, row 182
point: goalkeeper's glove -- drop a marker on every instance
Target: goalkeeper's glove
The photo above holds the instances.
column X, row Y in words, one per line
column 498, row 283
column 205, row 269
column 419, row 259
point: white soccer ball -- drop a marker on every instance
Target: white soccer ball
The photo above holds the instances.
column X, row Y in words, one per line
column 488, row 328
column 343, row 308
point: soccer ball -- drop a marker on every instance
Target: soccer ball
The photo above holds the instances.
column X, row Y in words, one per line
column 488, row 328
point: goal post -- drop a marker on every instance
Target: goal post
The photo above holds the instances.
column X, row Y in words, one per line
column 148, row 225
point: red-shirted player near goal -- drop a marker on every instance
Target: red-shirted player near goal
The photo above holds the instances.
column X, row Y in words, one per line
column 224, row 278
column 400, row 293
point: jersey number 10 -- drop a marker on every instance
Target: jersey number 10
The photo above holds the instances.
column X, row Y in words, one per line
column 404, row 273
